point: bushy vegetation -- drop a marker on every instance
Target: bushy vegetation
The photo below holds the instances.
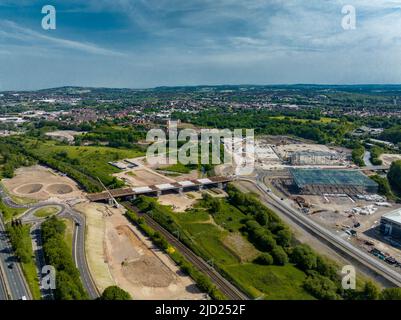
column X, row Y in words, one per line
column 391, row 294
column 57, row 254
column 115, row 293
column 308, row 125
column 392, row 134
column 384, row 187
column 114, row 136
column 8, row 212
column 357, row 155
column 375, row 153
column 11, row 158
column 394, row 176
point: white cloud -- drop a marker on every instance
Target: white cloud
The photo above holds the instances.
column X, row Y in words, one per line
column 11, row 30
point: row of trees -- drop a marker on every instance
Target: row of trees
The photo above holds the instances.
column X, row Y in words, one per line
column 394, row 176
column 11, row 158
column 57, row 254
column 357, row 155
column 266, row 122
column 20, row 239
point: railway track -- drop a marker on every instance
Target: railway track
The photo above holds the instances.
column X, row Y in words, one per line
column 226, row 287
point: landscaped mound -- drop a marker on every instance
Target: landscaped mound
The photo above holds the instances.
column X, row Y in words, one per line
column 59, row 188
column 30, row 188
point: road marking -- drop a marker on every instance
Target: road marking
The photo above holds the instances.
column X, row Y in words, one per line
column 75, row 245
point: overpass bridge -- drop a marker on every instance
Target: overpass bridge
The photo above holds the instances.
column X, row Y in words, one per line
column 374, row 168
column 158, row 189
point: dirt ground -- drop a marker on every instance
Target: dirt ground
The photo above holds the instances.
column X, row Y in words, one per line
column 284, row 150
column 242, row 248
column 140, row 268
column 389, row 158
column 336, row 212
column 95, row 241
column 67, row 135
column 143, row 177
column 178, row 202
column 41, row 183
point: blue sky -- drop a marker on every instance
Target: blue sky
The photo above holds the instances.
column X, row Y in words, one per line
column 147, row 43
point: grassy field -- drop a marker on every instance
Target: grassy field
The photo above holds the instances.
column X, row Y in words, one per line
column 271, row 282
column 210, row 233
column 46, row 212
column 31, row 276
column 69, row 232
column 92, row 160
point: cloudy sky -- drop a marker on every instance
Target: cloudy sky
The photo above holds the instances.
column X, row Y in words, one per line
column 147, row 43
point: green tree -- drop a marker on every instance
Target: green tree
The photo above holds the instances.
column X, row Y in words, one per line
column 370, row 291
column 115, row 293
column 391, row 294
column 264, row 259
column 304, row 257
column 279, row 256
column 321, row 287
column 394, row 175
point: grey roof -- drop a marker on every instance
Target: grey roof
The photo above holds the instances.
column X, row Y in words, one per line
column 304, row 177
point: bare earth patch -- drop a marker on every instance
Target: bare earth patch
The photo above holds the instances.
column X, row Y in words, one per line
column 143, row 177
column 389, row 158
column 140, row 268
column 178, row 202
column 240, row 247
column 41, row 183
column 94, row 243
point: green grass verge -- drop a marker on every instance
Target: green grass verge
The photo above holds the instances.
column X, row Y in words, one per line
column 69, row 232
column 271, row 282
column 10, row 213
column 46, row 212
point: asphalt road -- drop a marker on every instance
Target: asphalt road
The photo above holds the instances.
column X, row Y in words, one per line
column 317, row 230
column 3, row 289
column 78, row 252
column 11, row 268
column 78, row 238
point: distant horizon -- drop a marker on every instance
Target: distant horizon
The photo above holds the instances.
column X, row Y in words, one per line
column 212, row 85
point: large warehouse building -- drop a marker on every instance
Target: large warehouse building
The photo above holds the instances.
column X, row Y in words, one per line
column 328, row 181
column 390, row 224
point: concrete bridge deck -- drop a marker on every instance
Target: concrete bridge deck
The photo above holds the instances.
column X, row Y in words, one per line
column 157, row 189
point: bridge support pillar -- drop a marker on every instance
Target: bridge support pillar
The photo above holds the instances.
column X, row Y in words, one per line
column 200, row 188
column 134, row 197
column 220, row 185
column 159, row 193
column 181, row 190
